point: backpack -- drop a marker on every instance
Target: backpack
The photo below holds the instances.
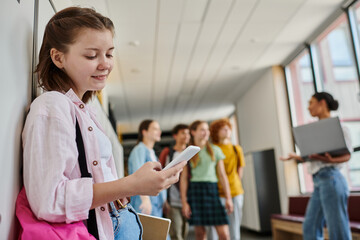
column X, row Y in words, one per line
column 237, row 156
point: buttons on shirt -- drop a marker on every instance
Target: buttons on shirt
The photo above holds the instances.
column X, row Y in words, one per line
column 90, row 128
column 81, row 106
column 102, row 209
column 95, row 163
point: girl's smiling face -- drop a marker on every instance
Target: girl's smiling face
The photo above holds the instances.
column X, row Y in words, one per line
column 317, row 108
column 201, row 133
column 88, row 61
column 153, row 133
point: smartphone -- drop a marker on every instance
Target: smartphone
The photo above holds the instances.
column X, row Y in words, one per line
column 185, row 155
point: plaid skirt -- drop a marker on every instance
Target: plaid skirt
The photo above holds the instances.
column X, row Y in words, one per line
column 206, row 208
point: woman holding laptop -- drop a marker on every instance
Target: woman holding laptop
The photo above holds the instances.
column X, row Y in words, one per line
column 328, row 203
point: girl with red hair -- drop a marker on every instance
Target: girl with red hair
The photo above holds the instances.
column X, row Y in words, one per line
column 220, row 133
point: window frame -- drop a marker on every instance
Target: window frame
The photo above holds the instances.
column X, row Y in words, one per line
column 351, row 20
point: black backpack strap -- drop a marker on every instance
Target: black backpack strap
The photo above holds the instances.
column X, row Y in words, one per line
column 237, row 156
column 81, row 150
column 91, row 222
column 189, row 170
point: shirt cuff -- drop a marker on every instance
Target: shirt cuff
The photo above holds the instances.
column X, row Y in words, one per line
column 78, row 199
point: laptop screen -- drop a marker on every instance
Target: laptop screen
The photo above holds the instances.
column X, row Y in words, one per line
column 320, row 137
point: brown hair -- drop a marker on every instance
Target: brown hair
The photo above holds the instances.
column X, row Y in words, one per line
column 144, row 125
column 195, row 160
column 60, row 32
column 215, row 126
column 179, row 127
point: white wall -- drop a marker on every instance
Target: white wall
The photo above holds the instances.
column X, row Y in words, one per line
column 16, row 47
column 16, row 24
column 260, row 113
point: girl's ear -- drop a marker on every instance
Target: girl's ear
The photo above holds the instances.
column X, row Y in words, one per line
column 144, row 133
column 57, row 57
column 323, row 103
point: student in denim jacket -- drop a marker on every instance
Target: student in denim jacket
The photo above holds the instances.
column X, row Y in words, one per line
column 143, row 152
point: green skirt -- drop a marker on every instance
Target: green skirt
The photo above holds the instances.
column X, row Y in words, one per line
column 206, row 208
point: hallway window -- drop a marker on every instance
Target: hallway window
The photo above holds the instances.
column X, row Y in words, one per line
column 356, row 27
column 353, row 168
column 338, row 76
column 357, row 12
column 354, row 165
column 335, row 54
column 336, row 73
column 299, row 80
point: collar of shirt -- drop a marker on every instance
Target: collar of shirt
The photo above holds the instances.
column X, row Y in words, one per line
column 76, row 100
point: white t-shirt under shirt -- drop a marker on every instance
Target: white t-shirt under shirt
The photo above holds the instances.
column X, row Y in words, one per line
column 105, row 150
column 153, row 155
column 315, row 166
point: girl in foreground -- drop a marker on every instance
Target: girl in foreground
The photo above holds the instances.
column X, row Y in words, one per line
column 74, row 62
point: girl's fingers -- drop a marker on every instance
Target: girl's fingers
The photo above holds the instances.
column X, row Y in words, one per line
column 156, row 166
column 174, row 170
column 172, row 179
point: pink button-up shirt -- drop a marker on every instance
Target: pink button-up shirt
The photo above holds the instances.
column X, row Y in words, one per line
column 52, row 178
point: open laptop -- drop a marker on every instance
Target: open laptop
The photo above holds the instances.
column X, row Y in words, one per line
column 320, row 137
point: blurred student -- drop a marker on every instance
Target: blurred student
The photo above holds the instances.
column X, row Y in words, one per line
column 179, row 226
column 220, row 133
column 328, row 203
column 199, row 186
column 143, row 152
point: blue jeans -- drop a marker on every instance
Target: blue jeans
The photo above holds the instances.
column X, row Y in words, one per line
column 157, row 203
column 126, row 223
column 328, row 204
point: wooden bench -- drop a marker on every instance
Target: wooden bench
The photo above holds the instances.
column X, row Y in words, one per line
column 289, row 226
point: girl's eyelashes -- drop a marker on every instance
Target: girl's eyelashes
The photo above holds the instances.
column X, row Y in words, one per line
column 90, row 57
column 93, row 57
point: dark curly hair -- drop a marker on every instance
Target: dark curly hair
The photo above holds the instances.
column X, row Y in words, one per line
column 179, row 127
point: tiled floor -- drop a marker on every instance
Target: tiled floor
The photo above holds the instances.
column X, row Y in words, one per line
column 245, row 235
column 250, row 235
